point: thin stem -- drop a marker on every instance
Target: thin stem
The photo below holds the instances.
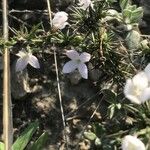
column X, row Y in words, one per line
column 58, row 83
column 50, row 12
column 7, row 109
column 60, row 99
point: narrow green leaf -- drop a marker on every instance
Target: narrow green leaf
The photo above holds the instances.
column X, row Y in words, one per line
column 40, row 142
column 1, row 146
column 111, row 111
column 25, row 137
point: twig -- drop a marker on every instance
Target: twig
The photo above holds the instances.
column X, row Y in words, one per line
column 60, row 99
column 27, row 11
column 49, row 12
column 58, row 83
column 7, row 106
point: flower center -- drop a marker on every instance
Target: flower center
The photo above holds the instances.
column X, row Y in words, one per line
column 137, row 91
column 131, row 146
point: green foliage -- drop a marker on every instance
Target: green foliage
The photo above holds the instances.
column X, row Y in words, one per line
column 109, row 48
column 25, row 137
column 40, row 142
column 1, row 146
column 124, row 4
column 132, row 14
column 89, row 20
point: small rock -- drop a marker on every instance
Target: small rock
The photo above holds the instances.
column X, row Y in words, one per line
column 133, row 40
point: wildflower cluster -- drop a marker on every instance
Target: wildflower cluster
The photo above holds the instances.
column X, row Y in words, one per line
column 89, row 38
column 59, row 22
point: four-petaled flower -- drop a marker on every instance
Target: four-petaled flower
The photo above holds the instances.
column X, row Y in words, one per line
column 132, row 143
column 26, row 58
column 60, row 20
column 137, row 89
column 84, row 4
column 77, row 62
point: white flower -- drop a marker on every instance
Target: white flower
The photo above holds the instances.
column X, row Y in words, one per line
column 60, row 20
column 132, row 143
column 77, row 62
column 136, row 89
column 84, row 4
column 26, row 58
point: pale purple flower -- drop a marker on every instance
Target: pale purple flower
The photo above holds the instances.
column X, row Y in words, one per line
column 77, row 62
column 84, row 4
column 60, row 20
column 137, row 89
column 132, row 143
column 25, row 59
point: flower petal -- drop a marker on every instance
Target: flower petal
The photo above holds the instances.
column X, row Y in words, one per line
column 129, row 92
column 128, row 87
column 134, row 99
column 84, row 4
column 85, row 57
column 83, row 70
column 61, row 15
column 21, row 53
column 72, row 54
column 70, row 66
column 33, row 61
column 21, row 63
column 59, row 19
column 63, row 25
column 140, row 80
column 147, row 71
column 145, row 95
column 132, row 143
